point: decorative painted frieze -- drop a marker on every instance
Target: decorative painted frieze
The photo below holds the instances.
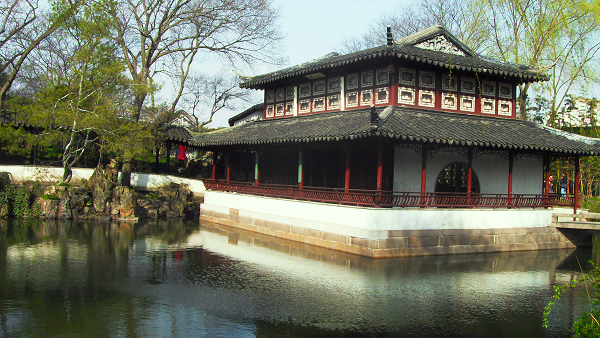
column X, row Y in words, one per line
column 440, row 44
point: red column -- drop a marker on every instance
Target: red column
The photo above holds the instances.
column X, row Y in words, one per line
column 576, row 192
column 379, row 167
column 511, row 159
column 423, row 169
column 424, row 174
column 228, row 165
column 379, row 171
column 347, row 178
column 546, row 177
column 214, row 168
column 469, row 171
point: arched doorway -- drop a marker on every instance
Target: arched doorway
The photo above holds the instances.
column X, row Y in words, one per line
column 454, row 178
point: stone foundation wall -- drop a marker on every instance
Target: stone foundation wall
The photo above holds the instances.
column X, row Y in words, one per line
column 406, row 243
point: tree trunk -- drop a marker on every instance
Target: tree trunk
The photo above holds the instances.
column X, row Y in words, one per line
column 126, row 171
column 67, row 173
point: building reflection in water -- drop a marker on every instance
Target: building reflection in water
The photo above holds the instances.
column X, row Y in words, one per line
column 167, row 278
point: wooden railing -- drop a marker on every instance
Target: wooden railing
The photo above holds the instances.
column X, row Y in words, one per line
column 389, row 199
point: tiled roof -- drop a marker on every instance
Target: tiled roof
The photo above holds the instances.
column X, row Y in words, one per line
column 407, row 124
column 405, row 49
column 178, row 134
column 9, row 118
column 259, row 106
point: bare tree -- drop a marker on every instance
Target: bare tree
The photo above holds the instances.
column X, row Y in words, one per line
column 153, row 33
column 23, row 25
column 461, row 18
column 208, row 95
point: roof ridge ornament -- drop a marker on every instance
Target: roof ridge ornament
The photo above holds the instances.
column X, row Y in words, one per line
column 390, row 37
column 440, row 44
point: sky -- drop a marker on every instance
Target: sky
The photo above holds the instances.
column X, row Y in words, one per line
column 313, row 28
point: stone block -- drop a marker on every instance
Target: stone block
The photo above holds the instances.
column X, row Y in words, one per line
column 393, row 243
column 362, row 242
column 455, row 240
column 511, row 239
column 423, row 242
column 483, row 239
column 328, row 236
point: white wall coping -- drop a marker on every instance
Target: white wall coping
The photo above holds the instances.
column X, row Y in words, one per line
column 138, row 180
column 371, row 223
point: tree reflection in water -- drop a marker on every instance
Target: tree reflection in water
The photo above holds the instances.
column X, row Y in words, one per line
column 183, row 278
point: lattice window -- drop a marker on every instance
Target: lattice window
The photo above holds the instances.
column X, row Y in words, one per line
column 488, row 106
column 270, row 111
column 352, row 81
column 449, row 83
column 504, row 108
column 505, row 90
column 289, row 93
column 366, row 79
column 407, row 76
column 333, row 102
column 467, row 85
column 279, row 109
column 426, row 98
column 427, row 80
column 467, row 103
column 304, row 90
column 289, row 108
column 270, row 96
column 382, row 77
column 382, row 95
column 304, row 106
column 488, row 88
column 406, row 95
column 318, row 104
column 280, row 95
column 366, row 97
column 352, row 99
column 449, row 101
column 319, row 87
column 333, row 85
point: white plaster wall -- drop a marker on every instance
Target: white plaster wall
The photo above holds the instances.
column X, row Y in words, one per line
column 138, row 180
column 407, row 170
column 371, row 223
column 491, row 171
column 528, row 176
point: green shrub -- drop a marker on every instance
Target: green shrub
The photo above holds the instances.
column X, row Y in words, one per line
column 20, row 200
column 588, row 324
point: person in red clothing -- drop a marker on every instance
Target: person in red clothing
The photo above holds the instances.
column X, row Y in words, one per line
column 181, row 155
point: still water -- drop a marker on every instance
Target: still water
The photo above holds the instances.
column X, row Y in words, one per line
column 190, row 279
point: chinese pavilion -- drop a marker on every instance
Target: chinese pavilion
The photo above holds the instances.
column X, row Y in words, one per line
column 421, row 134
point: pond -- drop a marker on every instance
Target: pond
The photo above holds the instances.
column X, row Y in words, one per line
column 190, row 279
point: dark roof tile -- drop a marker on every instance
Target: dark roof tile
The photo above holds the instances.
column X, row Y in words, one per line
column 404, row 123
